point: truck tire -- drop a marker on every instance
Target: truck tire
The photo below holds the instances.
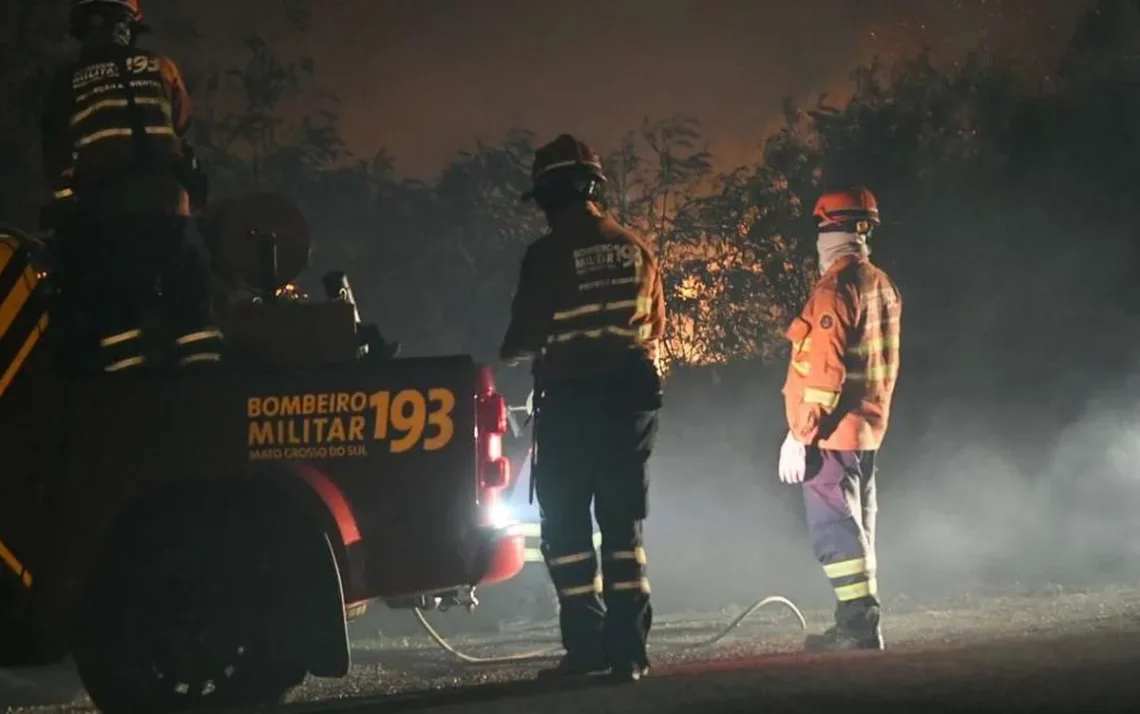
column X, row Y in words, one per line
column 190, row 611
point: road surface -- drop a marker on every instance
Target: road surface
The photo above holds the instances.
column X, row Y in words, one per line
column 1048, row 651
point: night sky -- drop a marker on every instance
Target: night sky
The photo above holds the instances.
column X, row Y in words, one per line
column 426, row 77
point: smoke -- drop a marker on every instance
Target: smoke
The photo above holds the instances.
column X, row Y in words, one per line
column 974, row 497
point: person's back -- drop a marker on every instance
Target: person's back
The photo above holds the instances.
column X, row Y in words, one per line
column 608, row 317
column 113, row 131
column 114, row 123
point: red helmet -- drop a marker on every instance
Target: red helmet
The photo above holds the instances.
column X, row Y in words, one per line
column 131, row 6
column 565, row 156
column 842, row 209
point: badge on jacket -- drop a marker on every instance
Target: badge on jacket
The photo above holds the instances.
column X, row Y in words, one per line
column 826, row 322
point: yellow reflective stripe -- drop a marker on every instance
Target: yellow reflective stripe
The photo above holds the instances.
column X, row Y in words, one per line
column 119, row 338
column 803, row 345
column 877, row 344
column 641, row 584
column 199, row 336
column 637, row 554
column 63, row 193
column 120, row 104
column 847, row 593
column 603, row 306
column 15, row 565
column 801, row 368
column 571, row 559
column 878, row 373
column 111, row 133
column 18, row 361
column 578, row 311
column 15, row 300
column 125, row 364
column 847, row 568
column 641, row 332
column 596, row 587
column 200, row 357
column 644, row 306
column 827, row 399
column 598, row 539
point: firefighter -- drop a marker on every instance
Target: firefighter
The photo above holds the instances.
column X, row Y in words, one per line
column 124, row 179
column 837, row 397
column 589, row 308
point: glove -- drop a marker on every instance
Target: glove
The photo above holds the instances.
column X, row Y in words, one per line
column 530, row 403
column 793, row 460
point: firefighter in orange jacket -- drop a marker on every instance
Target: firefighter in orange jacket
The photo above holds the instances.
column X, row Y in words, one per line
column 124, row 180
column 590, row 308
column 837, row 396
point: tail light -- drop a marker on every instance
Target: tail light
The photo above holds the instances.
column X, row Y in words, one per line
column 490, row 425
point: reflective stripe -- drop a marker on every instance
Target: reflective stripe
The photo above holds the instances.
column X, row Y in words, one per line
column 199, row 336
column 63, row 193
column 802, row 346
column 847, row 593
column 596, row 587
column 571, row 559
column 119, row 338
column 641, row 332
column 878, row 344
column 801, row 368
column 15, row 565
column 878, row 373
column 641, row 584
column 847, row 568
column 637, row 554
column 125, row 364
column 201, row 357
column 121, row 104
column 112, row 133
column 639, row 304
column 827, row 399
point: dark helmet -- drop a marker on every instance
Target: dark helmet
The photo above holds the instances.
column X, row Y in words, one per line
column 563, row 168
column 82, row 9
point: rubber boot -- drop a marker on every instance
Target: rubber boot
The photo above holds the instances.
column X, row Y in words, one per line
column 856, row 628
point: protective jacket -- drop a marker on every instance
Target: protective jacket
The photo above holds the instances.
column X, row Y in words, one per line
column 90, row 146
column 589, row 297
column 845, row 358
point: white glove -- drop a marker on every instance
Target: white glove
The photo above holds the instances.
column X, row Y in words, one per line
column 793, row 460
column 530, row 403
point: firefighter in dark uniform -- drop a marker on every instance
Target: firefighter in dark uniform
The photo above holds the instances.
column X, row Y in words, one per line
column 590, row 309
column 841, row 380
column 124, row 180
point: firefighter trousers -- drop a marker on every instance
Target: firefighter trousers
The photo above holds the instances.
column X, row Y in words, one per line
column 587, row 453
column 841, row 505
column 115, row 271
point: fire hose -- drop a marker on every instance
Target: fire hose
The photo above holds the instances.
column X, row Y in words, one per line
column 551, row 651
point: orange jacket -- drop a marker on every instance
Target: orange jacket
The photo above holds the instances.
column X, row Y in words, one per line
column 845, row 358
column 589, row 295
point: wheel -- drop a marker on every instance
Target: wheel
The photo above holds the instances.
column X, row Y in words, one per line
column 185, row 615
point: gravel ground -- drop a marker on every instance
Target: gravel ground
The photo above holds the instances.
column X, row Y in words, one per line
column 1045, row 650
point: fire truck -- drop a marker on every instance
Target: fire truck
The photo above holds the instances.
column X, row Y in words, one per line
column 200, row 539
